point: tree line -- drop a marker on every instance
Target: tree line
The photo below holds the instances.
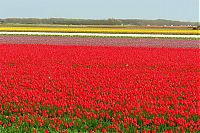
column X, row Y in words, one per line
column 110, row 21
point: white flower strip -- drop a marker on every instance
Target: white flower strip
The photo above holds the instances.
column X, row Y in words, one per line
column 100, row 34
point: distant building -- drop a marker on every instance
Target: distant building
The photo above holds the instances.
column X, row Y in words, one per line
column 196, row 28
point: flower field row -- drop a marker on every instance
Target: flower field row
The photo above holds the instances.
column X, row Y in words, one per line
column 49, row 88
column 102, row 35
column 102, row 30
column 88, row 41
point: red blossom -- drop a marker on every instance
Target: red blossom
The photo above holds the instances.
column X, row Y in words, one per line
column 118, row 84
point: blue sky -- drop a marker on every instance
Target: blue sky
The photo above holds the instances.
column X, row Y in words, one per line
column 184, row 10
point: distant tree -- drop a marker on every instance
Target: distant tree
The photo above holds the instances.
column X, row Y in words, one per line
column 1, row 21
column 110, row 21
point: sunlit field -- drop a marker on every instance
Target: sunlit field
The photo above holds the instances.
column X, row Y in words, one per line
column 69, row 66
column 74, row 84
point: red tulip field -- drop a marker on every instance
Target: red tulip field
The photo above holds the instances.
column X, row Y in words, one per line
column 74, row 88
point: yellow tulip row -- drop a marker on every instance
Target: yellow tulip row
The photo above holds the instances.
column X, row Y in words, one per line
column 102, row 30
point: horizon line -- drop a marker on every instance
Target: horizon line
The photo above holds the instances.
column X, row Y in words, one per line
column 97, row 18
